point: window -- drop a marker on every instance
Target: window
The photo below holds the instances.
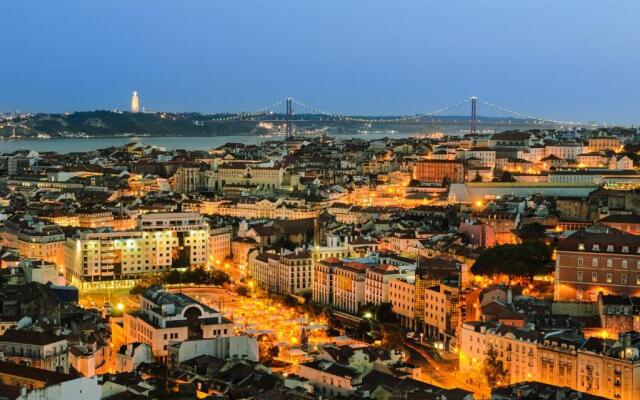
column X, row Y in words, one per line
column 581, row 246
column 580, row 262
column 610, row 248
column 609, row 263
column 579, row 276
column 594, row 277
column 609, row 277
column 637, row 279
column 594, row 262
column 596, row 247
column 623, row 279
column 625, row 249
column 624, row 264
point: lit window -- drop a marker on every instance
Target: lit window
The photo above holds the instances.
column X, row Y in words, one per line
column 594, row 262
column 581, row 247
column 625, row 249
column 610, row 248
column 609, row 263
column 625, row 264
column 594, row 277
column 596, row 247
column 609, row 277
column 580, row 262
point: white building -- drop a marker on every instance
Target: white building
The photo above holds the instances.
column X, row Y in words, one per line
column 220, row 244
column 166, row 317
column 130, row 356
column 43, row 350
column 227, row 347
column 289, row 273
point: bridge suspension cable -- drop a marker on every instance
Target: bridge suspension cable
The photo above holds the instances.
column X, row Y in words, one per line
column 414, row 117
column 243, row 115
column 527, row 116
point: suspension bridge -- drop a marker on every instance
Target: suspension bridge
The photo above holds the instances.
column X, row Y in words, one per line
column 283, row 112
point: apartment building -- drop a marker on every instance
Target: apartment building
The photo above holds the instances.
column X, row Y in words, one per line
column 44, row 350
column 106, row 255
column 34, row 238
column 191, row 231
column 565, row 151
column 604, row 143
column 402, row 299
column 166, row 317
column 349, row 288
column 437, row 171
column 376, row 283
column 161, row 242
column 485, row 155
column 594, row 260
column 220, row 244
column 289, row 273
column 601, row 367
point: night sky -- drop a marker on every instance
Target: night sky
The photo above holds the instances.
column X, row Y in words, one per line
column 568, row 59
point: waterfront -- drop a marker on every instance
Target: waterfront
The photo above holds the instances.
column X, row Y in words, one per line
column 190, row 142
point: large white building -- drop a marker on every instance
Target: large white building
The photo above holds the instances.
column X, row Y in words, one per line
column 267, row 177
column 289, row 273
column 162, row 241
column 106, row 255
column 166, row 317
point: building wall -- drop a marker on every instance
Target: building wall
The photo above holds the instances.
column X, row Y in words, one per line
column 435, row 171
column 402, row 297
column 582, row 275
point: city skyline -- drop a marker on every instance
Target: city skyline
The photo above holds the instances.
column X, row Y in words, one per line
column 563, row 61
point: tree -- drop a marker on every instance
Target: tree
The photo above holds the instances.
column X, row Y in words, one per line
column 218, row 277
column 493, row 368
column 536, row 255
column 307, row 295
column 534, row 231
column 385, row 314
column 290, row 301
column 527, row 260
column 362, row 331
column 242, row 291
column 506, row 177
column 392, row 336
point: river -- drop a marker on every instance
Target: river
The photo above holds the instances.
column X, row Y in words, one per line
column 170, row 143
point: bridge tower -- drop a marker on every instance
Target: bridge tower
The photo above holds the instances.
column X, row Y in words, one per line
column 289, row 103
column 474, row 115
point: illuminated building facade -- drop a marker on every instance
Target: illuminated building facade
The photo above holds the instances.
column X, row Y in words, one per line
column 595, row 260
column 436, row 171
column 34, row 238
column 165, row 317
column 161, row 242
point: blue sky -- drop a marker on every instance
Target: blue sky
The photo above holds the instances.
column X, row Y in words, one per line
column 569, row 59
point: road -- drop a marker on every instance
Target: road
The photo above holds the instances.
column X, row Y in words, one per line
column 438, row 372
